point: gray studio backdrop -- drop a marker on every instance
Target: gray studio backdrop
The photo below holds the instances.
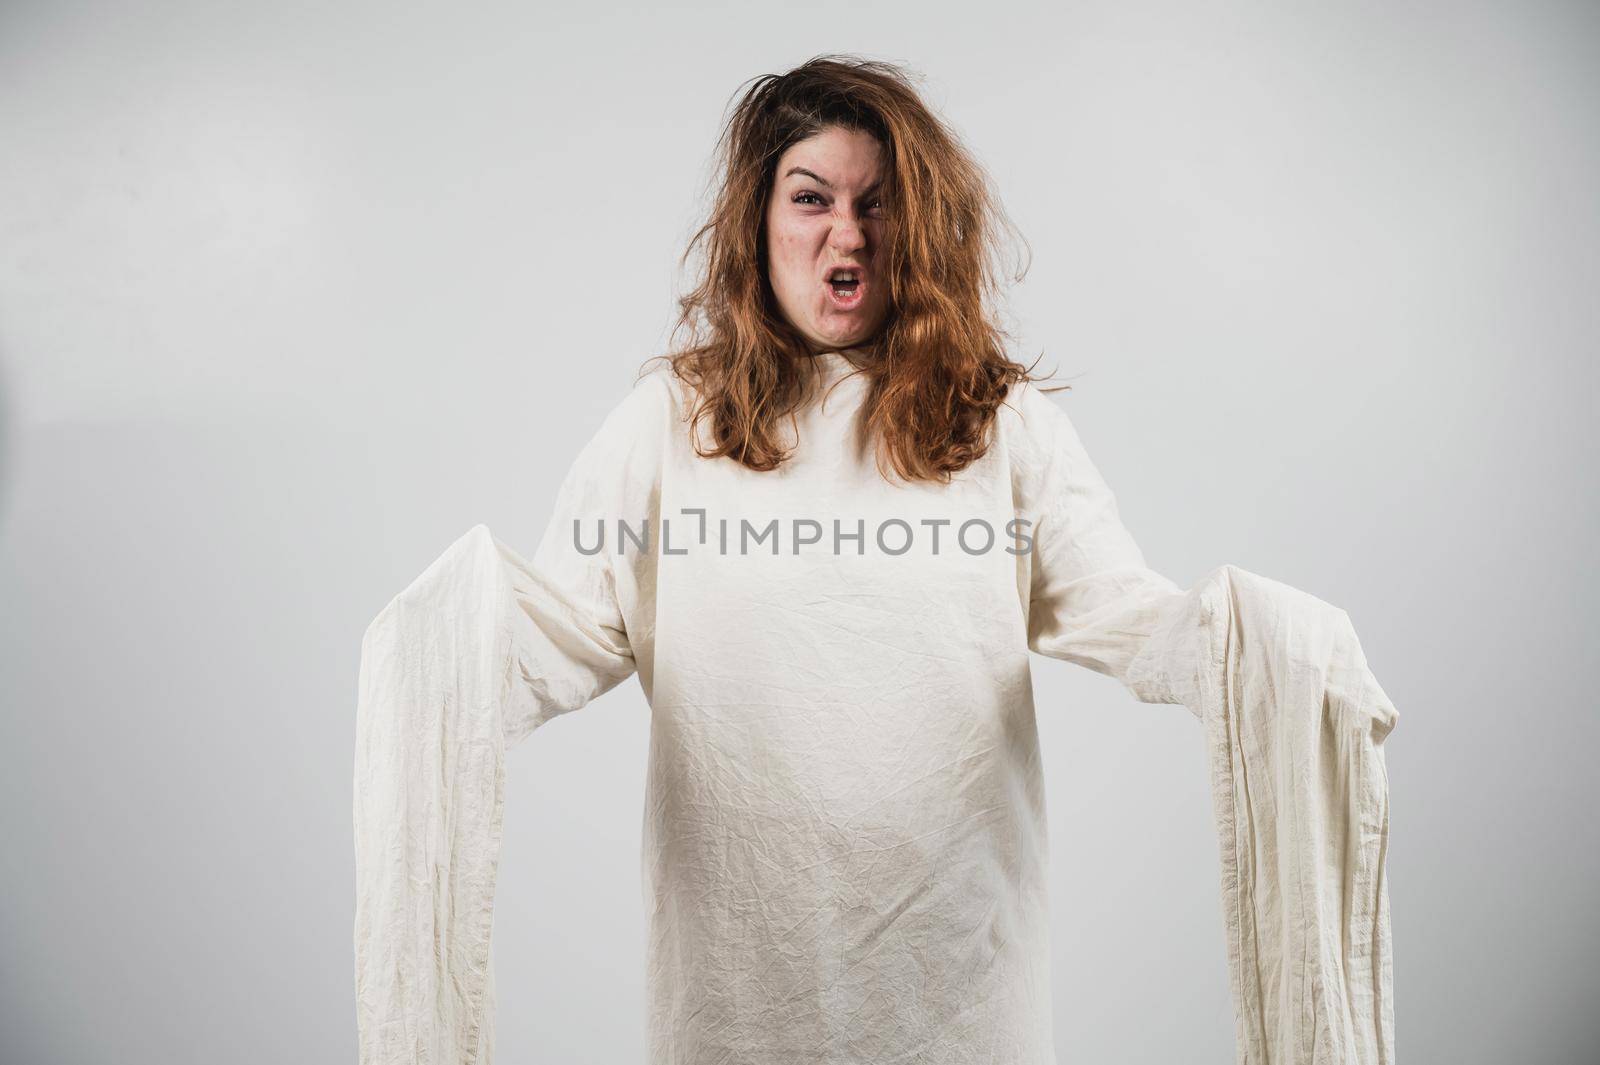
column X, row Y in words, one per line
column 292, row 295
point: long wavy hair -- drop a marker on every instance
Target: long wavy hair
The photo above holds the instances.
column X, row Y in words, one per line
column 938, row 365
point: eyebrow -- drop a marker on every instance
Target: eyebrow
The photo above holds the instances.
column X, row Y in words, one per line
column 819, row 179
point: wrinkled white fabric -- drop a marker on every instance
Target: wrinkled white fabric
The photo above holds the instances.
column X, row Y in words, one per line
column 844, row 842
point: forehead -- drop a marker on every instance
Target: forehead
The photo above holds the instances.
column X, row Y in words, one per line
column 838, row 157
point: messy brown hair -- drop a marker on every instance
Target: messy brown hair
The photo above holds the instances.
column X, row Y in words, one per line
column 938, row 367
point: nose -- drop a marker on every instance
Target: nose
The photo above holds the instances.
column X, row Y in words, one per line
column 848, row 235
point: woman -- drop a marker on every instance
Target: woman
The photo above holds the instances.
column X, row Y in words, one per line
column 825, row 534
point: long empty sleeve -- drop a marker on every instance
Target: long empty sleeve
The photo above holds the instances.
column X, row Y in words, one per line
column 468, row 660
column 1294, row 724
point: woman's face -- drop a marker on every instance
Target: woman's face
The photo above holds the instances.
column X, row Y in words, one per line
column 823, row 217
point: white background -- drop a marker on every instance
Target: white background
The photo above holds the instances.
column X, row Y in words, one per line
column 291, row 295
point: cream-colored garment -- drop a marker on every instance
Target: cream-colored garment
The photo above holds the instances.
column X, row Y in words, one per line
column 844, row 842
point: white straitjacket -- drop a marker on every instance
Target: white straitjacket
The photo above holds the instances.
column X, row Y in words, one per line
column 844, row 837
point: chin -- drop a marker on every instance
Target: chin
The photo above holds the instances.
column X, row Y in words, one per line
column 850, row 337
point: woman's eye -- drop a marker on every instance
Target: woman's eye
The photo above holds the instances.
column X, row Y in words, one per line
column 809, row 198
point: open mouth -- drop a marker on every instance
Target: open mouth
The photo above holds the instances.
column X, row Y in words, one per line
column 845, row 288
